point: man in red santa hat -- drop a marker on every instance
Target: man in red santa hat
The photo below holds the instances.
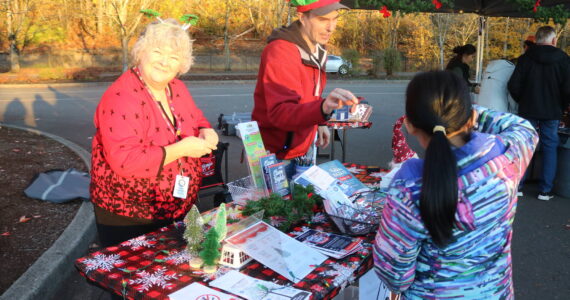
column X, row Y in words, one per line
column 288, row 102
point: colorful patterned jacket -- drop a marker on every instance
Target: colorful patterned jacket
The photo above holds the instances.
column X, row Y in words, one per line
column 477, row 264
column 127, row 175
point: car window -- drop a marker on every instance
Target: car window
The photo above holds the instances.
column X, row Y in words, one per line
column 333, row 58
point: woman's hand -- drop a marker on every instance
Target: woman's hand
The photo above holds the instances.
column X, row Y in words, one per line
column 210, row 136
column 188, row 147
column 197, row 147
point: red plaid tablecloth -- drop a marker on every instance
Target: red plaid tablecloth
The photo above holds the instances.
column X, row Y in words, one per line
column 155, row 265
column 342, row 125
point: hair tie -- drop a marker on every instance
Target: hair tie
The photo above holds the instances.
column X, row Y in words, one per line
column 439, row 128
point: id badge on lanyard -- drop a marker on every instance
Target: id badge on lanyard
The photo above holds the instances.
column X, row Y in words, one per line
column 182, row 182
column 181, row 186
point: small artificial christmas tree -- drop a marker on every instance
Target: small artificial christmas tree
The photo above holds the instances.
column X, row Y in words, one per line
column 210, row 250
column 194, row 235
column 221, row 223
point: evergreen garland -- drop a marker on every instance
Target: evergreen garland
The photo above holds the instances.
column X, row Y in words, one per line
column 404, row 6
column 194, row 232
column 299, row 207
column 532, row 8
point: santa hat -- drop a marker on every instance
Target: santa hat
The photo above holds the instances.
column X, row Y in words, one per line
column 400, row 148
column 317, row 7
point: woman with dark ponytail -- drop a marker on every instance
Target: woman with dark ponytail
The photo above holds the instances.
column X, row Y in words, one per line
column 459, row 64
column 446, row 227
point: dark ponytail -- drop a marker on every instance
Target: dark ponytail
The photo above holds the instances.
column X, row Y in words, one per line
column 459, row 51
column 433, row 99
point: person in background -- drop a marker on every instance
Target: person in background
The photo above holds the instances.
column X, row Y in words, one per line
column 494, row 93
column 540, row 84
column 446, row 227
column 149, row 138
column 527, row 44
column 287, row 100
column 459, row 64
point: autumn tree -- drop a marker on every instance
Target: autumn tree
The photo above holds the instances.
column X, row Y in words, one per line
column 127, row 17
column 20, row 15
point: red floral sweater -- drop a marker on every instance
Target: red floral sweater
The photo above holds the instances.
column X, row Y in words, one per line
column 127, row 176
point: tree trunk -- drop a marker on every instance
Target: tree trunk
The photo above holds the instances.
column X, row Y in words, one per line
column 100, row 11
column 227, row 39
column 441, row 56
column 14, row 57
column 125, row 48
column 506, row 43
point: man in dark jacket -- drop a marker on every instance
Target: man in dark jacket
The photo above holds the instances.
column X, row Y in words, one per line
column 541, row 86
column 287, row 100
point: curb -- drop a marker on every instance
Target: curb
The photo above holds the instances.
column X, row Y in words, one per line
column 235, row 81
column 41, row 279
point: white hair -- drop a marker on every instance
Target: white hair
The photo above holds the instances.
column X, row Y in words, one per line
column 545, row 35
column 165, row 33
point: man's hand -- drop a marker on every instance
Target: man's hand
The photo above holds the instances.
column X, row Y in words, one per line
column 337, row 99
column 210, row 136
column 324, row 136
column 476, row 89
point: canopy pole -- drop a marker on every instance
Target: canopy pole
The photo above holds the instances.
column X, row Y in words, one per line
column 480, row 48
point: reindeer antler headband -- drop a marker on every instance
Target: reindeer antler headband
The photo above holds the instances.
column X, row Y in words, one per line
column 187, row 19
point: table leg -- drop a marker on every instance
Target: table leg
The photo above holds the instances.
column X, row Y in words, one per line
column 343, row 145
column 332, row 144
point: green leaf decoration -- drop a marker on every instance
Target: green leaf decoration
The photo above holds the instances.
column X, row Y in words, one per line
column 189, row 19
column 302, row 2
column 151, row 13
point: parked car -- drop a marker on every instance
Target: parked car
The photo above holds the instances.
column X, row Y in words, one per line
column 337, row 64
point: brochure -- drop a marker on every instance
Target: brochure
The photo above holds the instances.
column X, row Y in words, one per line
column 349, row 184
column 266, row 161
column 277, row 251
column 278, row 180
column 254, row 149
column 199, row 292
column 330, row 244
column 254, row 289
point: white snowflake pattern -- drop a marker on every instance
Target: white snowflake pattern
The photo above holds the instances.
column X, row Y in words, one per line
column 319, row 218
column 343, row 274
column 146, row 279
column 377, row 174
column 179, row 258
column 103, row 262
column 208, row 277
column 354, row 170
column 138, row 243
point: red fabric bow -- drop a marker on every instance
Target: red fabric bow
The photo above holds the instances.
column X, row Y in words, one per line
column 385, row 12
column 536, row 5
column 436, row 3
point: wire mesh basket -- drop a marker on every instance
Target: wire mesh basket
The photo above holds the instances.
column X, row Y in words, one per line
column 363, row 216
column 354, row 227
column 243, row 190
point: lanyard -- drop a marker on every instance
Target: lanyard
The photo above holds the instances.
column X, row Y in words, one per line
column 175, row 128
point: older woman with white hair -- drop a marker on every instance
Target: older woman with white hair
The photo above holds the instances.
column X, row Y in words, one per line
column 150, row 135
